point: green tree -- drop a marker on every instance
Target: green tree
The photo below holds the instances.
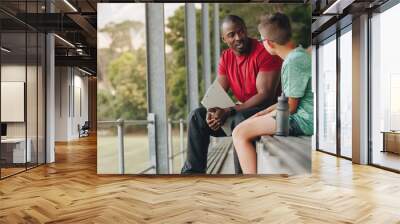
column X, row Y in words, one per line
column 122, row 92
column 127, row 75
column 176, row 66
column 120, row 34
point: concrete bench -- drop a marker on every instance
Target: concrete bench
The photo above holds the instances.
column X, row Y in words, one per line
column 290, row 155
column 217, row 155
column 275, row 155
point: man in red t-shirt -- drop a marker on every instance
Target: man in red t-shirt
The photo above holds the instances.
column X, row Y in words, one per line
column 251, row 73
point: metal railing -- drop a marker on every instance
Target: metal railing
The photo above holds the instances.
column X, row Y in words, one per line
column 150, row 122
column 181, row 152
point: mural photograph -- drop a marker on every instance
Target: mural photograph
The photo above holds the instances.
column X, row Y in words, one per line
column 199, row 88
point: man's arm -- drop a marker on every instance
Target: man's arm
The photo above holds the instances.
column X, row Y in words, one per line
column 224, row 82
column 266, row 84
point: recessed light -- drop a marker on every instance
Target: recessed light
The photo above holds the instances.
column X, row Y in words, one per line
column 84, row 71
column 70, row 5
column 5, row 50
column 64, row 40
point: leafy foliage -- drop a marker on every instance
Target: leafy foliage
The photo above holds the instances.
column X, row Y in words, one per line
column 124, row 92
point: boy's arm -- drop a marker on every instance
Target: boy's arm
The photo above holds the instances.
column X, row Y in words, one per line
column 268, row 110
column 293, row 104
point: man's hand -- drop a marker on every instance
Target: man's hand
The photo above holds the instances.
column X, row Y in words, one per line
column 212, row 123
column 216, row 117
column 220, row 114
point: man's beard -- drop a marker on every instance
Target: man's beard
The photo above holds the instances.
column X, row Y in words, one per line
column 242, row 46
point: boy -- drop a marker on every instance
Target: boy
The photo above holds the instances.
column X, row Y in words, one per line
column 296, row 84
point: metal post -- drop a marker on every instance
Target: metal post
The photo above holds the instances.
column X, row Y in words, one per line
column 216, row 38
column 121, row 149
column 338, row 99
column 170, row 148
column 181, row 144
column 360, row 108
column 191, row 56
column 156, row 81
column 50, row 92
column 151, row 132
column 205, row 40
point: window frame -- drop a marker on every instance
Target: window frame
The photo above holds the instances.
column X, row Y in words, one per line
column 335, row 36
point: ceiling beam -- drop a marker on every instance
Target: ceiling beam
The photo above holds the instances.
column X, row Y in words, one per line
column 85, row 25
column 81, row 61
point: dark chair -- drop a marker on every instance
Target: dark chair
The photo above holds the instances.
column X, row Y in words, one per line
column 84, row 130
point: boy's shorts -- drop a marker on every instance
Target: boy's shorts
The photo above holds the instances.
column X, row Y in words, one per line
column 294, row 129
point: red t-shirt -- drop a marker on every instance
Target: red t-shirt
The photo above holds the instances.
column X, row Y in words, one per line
column 242, row 70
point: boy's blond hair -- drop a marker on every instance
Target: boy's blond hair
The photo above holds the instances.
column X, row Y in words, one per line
column 277, row 27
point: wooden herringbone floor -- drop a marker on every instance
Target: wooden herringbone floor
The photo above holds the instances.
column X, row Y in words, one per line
column 69, row 191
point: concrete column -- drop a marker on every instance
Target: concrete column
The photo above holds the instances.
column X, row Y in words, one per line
column 205, row 40
column 156, row 82
column 217, row 38
column 314, row 89
column 191, row 56
column 50, row 92
column 360, row 90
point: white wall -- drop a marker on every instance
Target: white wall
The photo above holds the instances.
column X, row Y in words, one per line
column 61, row 103
column 69, row 85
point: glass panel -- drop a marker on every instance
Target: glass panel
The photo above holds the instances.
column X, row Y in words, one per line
column 385, row 86
column 31, row 86
column 31, row 98
column 23, row 86
column 13, row 87
column 346, row 94
column 327, row 96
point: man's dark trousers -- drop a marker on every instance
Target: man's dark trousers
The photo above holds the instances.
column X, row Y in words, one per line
column 199, row 139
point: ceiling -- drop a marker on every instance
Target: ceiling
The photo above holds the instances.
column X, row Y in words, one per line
column 330, row 15
column 74, row 22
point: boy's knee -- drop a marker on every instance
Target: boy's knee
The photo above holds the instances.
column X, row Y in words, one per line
column 237, row 134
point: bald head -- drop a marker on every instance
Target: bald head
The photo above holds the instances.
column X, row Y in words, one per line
column 232, row 19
